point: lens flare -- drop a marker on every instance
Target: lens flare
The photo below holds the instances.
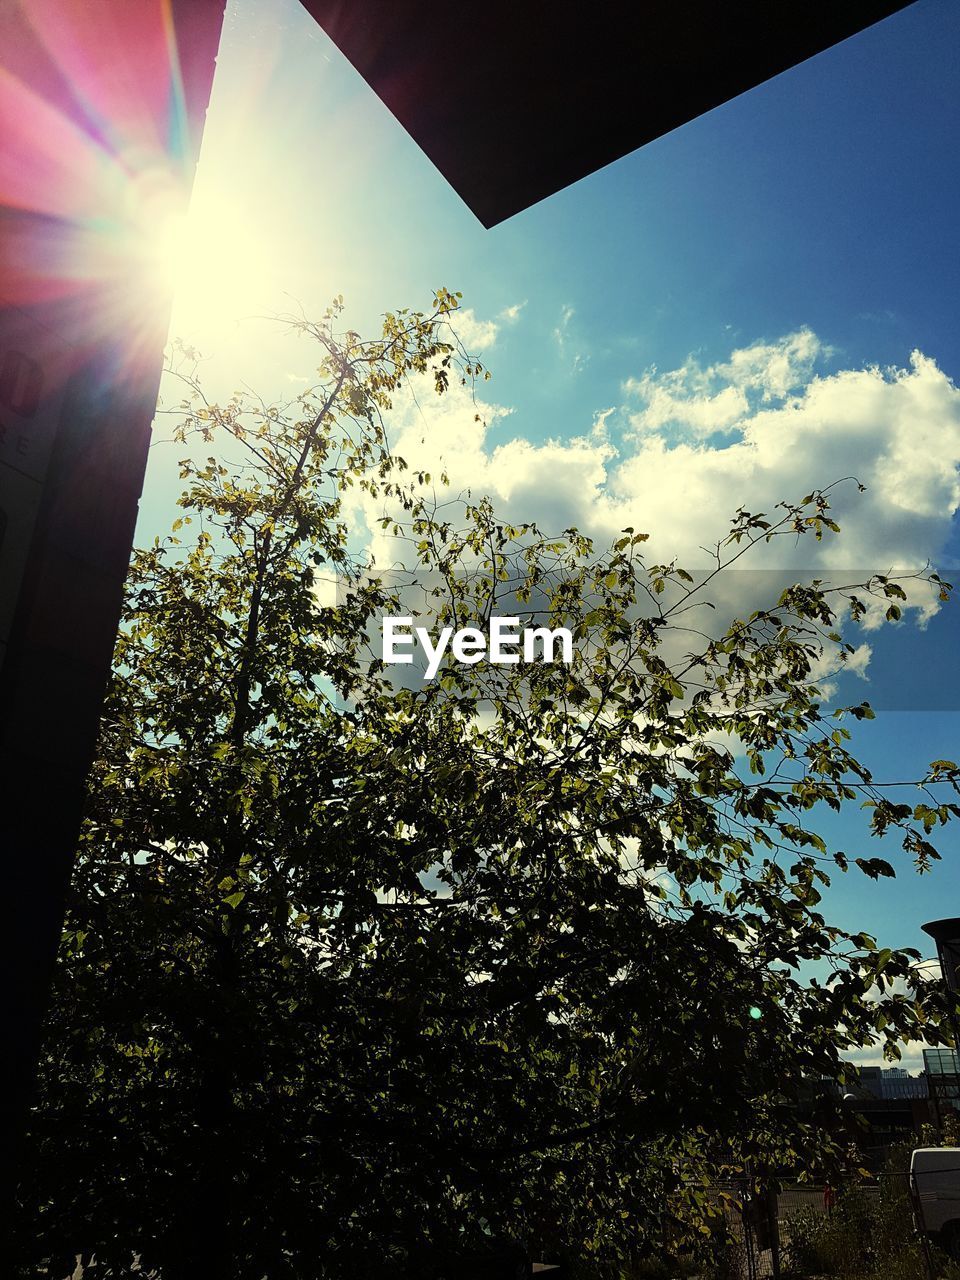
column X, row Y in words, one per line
column 100, row 135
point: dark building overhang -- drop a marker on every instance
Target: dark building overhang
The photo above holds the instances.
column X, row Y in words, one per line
column 514, row 99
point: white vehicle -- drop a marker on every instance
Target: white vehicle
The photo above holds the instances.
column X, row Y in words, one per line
column 935, row 1191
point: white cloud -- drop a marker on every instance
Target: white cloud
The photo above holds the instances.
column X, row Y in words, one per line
column 719, row 396
column 787, row 431
column 912, row 1054
column 911, row 1057
column 578, row 359
column 510, row 314
column 774, row 368
column 567, row 312
column 479, row 335
column 832, row 662
column 668, row 401
column 476, row 334
column 897, row 430
column 599, row 430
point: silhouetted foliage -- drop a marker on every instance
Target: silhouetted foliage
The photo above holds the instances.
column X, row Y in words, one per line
column 356, row 978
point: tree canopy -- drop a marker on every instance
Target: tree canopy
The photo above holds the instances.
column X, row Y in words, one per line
column 358, row 976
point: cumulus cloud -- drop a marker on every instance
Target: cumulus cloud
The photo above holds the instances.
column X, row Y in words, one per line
column 897, row 430
column 476, row 334
column 479, row 335
column 775, row 368
column 705, row 400
column 688, row 446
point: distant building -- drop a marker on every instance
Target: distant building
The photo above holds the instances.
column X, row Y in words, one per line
column 871, row 1081
column 898, row 1084
column 940, row 1062
column 943, row 1077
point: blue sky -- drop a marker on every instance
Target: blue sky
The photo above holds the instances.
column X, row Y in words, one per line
column 809, row 225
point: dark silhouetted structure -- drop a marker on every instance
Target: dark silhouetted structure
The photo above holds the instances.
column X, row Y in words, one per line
column 103, row 108
column 513, row 101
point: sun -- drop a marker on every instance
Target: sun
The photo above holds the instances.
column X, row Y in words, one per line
column 172, row 252
column 211, row 260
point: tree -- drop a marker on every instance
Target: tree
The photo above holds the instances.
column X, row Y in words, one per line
column 359, row 978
